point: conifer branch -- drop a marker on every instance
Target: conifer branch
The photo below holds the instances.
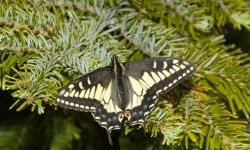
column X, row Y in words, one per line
column 44, row 45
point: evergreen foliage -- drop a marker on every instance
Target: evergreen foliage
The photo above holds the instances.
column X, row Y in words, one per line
column 46, row 44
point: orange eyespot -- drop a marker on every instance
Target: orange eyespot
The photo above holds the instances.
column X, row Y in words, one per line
column 127, row 115
column 120, row 117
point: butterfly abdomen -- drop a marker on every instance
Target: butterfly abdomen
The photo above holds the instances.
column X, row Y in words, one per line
column 121, row 84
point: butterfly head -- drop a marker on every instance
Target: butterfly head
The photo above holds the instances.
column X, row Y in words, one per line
column 124, row 115
column 116, row 65
column 114, row 58
column 114, row 61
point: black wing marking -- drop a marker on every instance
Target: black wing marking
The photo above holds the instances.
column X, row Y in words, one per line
column 93, row 93
column 150, row 77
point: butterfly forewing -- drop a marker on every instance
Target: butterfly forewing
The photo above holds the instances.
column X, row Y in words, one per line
column 93, row 93
column 149, row 78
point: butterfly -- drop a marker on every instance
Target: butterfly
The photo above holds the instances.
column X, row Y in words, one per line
column 124, row 90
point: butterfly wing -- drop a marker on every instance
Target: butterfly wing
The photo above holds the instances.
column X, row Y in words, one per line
column 95, row 93
column 150, row 77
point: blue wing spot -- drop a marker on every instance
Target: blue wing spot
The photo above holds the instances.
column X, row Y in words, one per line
column 149, row 98
column 103, row 116
column 109, row 120
column 140, row 113
column 115, row 119
column 134, row 114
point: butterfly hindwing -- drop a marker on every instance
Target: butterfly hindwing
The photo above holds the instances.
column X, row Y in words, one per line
column 93, row 93
column 150, row 77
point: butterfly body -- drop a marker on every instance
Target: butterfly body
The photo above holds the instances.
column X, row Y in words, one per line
column 124, row 90
column 119, row 82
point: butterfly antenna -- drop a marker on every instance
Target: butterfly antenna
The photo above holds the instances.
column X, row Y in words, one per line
column 110, row 138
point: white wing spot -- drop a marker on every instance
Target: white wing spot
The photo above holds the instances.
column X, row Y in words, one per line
column 165, row 88
column 136, row 85
column 170, row 84
column 110, row 106
column 182, row 66
column 154, row 97
column 134, row 123
column 134, row 102
column 188, row 71
column 116, row 127
column 140, row 97
column 81, row 106
column 161, row 75
column 176, row 68
column 175, row 81
column 62, row 92
column 66, row 94
column 192, row 68
column 184, row 74
column 72, row 93
column 172, row 71
column 58, row 100
column 81, row 86
column 82, row 93
column 165, row 65
column 86, row 95
column 77, row 105
column 67, row 103
column 102, row 94
column 144, row 85
column 103, row 123
column 72, row 104
column 86, row 107
column 97, row 118
column 167, row 74
column 98, row 91
column 155, row 77
column 141, row 120
column 146, row 113
column 107, row 94
column 159, row 91
column 146, row 77
column 186, row 63
column 152, row 105
column 111, row 127
column 154, row 64
column 89, row 82
column 175, row 61
column 77, row 94
column 91, row 95
column 179, row 77
column 71, row 86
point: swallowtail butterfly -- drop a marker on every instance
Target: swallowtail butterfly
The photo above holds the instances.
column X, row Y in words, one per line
column 124, row 90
